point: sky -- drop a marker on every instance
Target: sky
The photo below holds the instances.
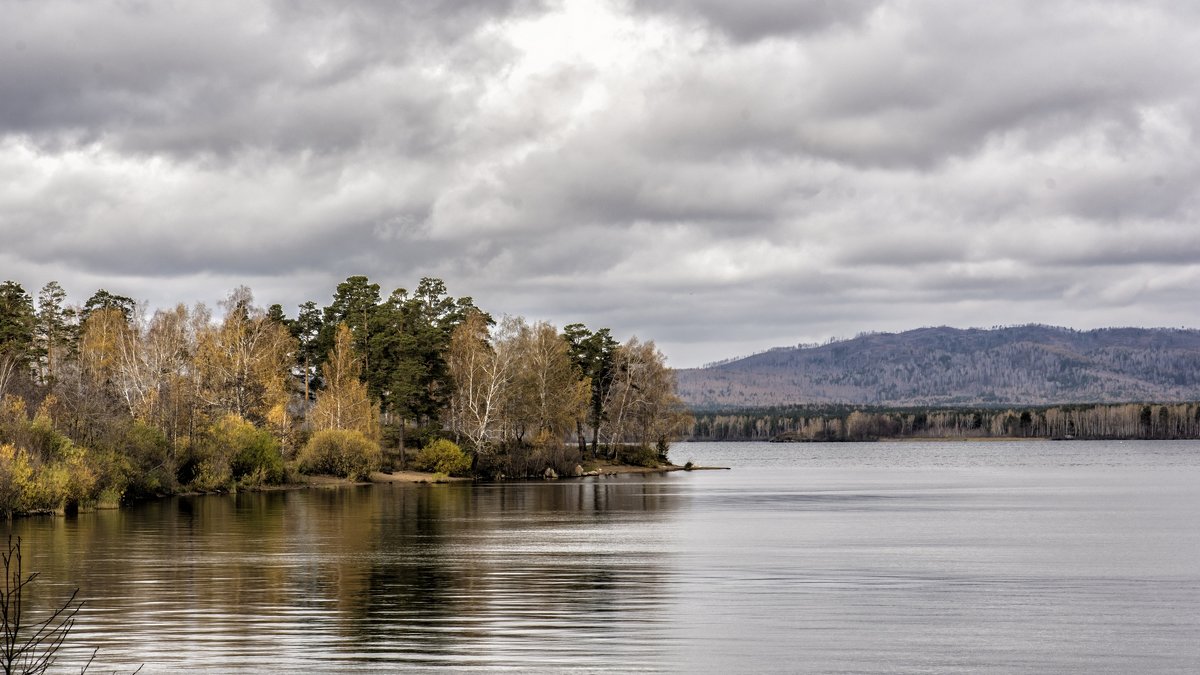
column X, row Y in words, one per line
column 719, row 177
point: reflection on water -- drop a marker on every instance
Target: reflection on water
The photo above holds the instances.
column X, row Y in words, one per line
column 869, row 558
column 554, row 574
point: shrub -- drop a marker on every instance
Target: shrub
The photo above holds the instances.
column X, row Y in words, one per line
column 15, row 473
column 443, row 456
column 48, row 490
column 140, row 466
column 233, row 449
column 340, row 452
column 640, row 455
column 257, row 458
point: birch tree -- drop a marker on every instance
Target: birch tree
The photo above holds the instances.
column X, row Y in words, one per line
column 243, row 364
column 643, row 408
column 550, row 394
column 482, row 370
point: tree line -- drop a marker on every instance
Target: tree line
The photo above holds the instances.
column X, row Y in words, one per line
column 1127, row 421
column 109, row 401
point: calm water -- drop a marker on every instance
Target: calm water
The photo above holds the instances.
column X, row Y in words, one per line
column 842, row 558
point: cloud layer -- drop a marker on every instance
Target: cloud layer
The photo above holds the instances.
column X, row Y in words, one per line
column 720, row 177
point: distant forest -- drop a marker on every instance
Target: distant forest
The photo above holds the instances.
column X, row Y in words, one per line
column 845, row 423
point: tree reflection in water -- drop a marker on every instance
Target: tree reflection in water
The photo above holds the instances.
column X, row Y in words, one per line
column 548, row 575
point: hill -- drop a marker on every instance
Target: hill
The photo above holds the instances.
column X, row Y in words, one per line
column 1021, row 365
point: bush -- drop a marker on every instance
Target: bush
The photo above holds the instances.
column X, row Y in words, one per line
column 256, row 455
column 15, row 473
column 232, row 450
column 30, row 484
column 48, row 490
column 443, row 456
column 340, row 452
column 639, row 455
column 140, row 465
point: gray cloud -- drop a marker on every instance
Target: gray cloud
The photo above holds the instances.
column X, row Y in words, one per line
column 756, row 19
column 720, row 177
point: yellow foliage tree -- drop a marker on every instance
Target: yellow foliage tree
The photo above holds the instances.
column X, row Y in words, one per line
column 345, row 403
column 244, row 363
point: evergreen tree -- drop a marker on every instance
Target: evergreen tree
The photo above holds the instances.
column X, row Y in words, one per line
column 594, row 353
column 306, row 329
column 102, row 299
column 355, row 303
column 54, row 332
column 16, row 333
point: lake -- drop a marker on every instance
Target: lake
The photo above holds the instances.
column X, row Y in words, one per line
column 994, row 557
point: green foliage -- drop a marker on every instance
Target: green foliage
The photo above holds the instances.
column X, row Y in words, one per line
column 40, row 469
column 16, row 322
column 409, row 338
column 102, row 299
column 340, row 452
column 47, row 490
column 443, row 456
column 640, row 455
column 595, row 355
column 256, row 455
column 133, row 462
column 232, row 450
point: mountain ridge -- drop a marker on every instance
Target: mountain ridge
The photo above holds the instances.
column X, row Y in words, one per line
column 1032, row 364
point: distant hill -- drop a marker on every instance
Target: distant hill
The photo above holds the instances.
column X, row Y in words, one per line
column 1023, row 365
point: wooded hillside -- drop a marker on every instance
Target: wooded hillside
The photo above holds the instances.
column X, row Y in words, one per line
column 1021, row 366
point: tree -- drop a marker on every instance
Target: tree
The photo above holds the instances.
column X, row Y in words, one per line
column 345, row 403
column 354, row 304
column 102, row 299
column 16, row 333
column 482, row 370
column 53, row 333
column 103, row 332
column 243, row 364
column 550, row 394
column 306, row 330
column 34, row 647
column 409, row 340
column 167, row 348
column 642, row 405
column 594, row 353
column 275, row 314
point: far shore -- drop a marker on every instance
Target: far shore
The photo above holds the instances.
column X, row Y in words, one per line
column 910, row 439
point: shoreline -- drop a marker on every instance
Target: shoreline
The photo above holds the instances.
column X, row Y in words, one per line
column 404, row 477
column 424, row 478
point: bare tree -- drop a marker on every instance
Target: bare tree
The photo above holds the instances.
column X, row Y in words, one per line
column 482, row 369
column 33, row 647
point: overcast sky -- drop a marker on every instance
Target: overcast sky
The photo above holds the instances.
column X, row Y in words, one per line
column 720, row 177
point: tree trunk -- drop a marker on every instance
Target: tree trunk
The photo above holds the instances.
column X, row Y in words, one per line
column 400, row 444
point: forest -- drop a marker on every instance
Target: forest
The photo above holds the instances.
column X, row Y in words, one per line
column 108, row 402
column 1126, row 421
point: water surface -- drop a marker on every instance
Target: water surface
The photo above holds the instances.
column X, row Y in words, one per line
column 853, row 558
